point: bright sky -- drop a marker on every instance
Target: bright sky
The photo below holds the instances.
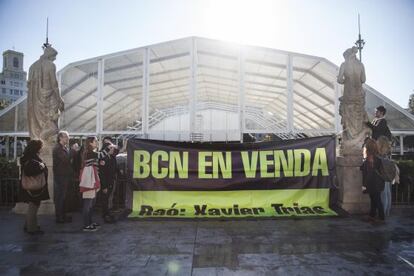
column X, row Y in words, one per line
column 81, row 29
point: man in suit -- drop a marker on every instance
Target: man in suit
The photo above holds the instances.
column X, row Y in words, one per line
column 62, row 175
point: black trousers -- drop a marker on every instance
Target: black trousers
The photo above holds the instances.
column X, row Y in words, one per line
column 105, row 202
column 376, row 204
column 60, row 184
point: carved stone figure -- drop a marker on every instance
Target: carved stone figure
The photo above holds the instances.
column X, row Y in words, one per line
column 352, row 103
column 43, row 99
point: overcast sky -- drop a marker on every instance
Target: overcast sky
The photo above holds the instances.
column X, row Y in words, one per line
column 81, row 29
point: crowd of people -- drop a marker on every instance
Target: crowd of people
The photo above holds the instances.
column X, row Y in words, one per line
column 94, row 170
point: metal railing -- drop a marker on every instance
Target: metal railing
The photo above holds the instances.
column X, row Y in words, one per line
column 9, row 191
column 402, row 193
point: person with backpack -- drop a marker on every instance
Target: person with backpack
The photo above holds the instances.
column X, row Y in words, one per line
column 372, row 182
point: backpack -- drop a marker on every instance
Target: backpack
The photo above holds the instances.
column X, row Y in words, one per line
column 388, row 169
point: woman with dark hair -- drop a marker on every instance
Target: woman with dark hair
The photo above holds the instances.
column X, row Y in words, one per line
column 31, row 166
column 89, row 173
column 372, row 182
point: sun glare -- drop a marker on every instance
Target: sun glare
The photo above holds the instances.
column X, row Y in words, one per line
column 246, row 22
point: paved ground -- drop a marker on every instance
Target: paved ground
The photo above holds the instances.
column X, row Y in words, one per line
column 331, row 246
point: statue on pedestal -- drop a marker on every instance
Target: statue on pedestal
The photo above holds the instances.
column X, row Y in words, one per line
column 353, row 118
column 44, row 105
column 352, row 104
column 43, row 99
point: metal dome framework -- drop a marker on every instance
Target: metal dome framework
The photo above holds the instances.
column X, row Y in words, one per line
column 204, row 90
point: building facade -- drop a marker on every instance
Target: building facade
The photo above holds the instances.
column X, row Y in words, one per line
column 13, row 82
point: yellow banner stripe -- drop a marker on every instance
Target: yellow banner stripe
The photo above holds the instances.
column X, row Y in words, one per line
column 242, row 203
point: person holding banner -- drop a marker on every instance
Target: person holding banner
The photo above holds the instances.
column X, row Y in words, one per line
column 89, row 179
column 372, row 182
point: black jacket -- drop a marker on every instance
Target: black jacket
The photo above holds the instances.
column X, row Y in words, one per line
column 62, row 165
column 108, row 170
column 371, row 178
column 31, row 167
column 379, row 128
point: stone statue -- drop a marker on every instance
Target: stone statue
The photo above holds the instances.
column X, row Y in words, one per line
column 43, row 99
column 352, row 103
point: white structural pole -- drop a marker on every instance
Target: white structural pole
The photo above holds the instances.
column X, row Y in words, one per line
column 7, row 147
column 193, row 86
column 242, row 103
column 401, row 145
column 99, row 96
column 289, row 70
column 211, row 125
column 337, row 88
column 15, row 148
column 145, row 92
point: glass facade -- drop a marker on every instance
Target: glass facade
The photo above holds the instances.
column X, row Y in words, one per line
column 202, row 90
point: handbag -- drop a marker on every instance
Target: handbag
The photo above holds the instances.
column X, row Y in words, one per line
column 33, row 183
column 89, row 179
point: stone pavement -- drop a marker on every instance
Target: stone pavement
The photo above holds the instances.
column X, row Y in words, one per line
column 311, row 246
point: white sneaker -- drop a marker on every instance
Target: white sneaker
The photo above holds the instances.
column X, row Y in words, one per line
column 89, row 228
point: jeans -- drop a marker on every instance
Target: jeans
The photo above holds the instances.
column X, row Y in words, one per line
column 31, row 216
column 386, row 198
column 376, row 204
column 87, row 209
column 60, row 184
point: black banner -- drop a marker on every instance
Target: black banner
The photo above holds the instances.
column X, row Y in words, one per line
column 181, row 166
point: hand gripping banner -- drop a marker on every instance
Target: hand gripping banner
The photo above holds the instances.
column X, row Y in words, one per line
column 211, row 180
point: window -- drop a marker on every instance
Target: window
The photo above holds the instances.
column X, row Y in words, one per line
column 11, row 92
column 3, row 90
column 16, row 62
column 3, row 82
column 16, row 92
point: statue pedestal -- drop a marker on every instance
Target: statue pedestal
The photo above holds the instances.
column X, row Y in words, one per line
column 349, row 175
column 47, row 207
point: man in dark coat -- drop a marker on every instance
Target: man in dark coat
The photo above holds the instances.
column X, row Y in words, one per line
column 62, row 175
column 107, row 176
column 379, row 125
